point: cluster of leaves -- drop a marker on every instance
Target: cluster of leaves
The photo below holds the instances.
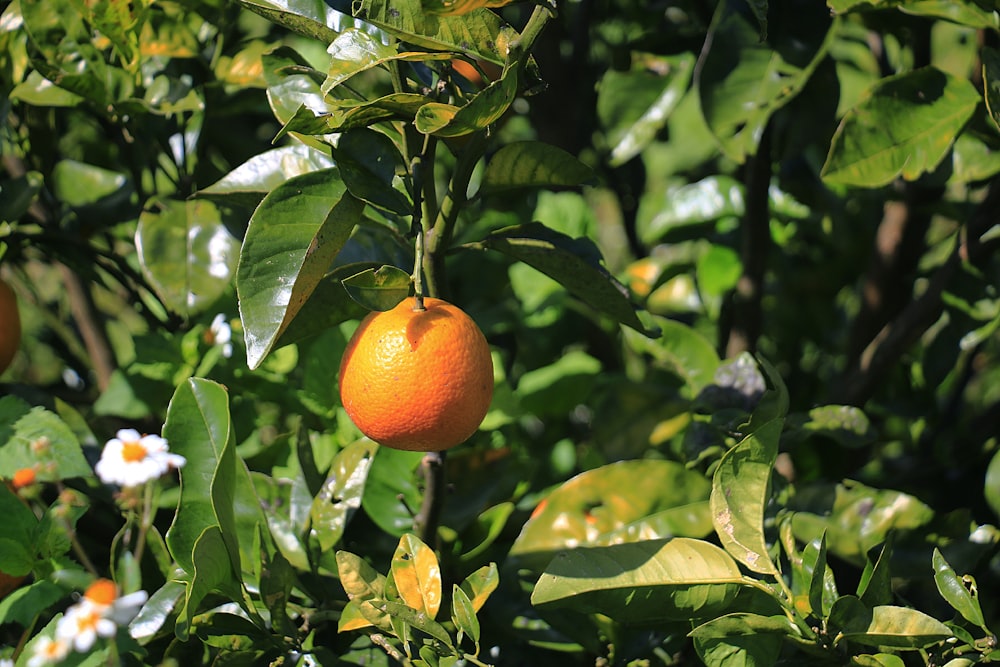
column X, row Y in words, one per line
column 815, row 183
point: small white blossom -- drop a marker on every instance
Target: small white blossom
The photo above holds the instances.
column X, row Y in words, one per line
column 221, row 334
column 83, row 623
column 48, row 651
column 6, row 662
column 131, row 459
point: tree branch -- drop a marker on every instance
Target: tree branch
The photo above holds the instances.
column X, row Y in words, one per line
column 860, row 380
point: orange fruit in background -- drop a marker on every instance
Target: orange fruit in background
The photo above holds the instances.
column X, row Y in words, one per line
column 417, row 380
column 10, row 326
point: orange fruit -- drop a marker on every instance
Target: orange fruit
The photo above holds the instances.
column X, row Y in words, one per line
column 10, row 326
column 417, row 380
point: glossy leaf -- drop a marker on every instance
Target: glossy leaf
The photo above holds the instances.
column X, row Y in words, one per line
column 80, row 184
column 532, row 164
column 480, row 33
column 247, row 184
column 362, row 584
column 680, row 349
column 460, row 7
column 856, row 517
column 636, row 105
column 345, row 116
column 991, row 485
column 463, row 614
column 741, row 638
column 875, row 586
column 479, row 585
column 904, row 127
column 311, row 19
column 186, row 253
column 33, row 437
column 822, row 587
column 293, row 236
column 328, row 305
column 369, row 163
column 740, row 492
column 379, row 288
column 743, row 80
column 212, row 572
column 216, row 489
column 417, row 575
column 960, row 592
column 708, row 200
column 159, row 608
column 355, row 51
column 414, row 618
column 598, row 506
column 889, row 626
column 644, row 582
column 392, row 490
column 576, row 264
column 446, row 120
column 341, row 493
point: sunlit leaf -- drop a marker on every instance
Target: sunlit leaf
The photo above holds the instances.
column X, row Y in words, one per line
column 596, row 506
column 247, row 184
column 740, row 492
column 960, row 592
column 904, row 127
column 355, row 51
column 293, row 236
column 187, row 253
column 642, row 582
column 532, row 164
column 33, row 437
column 417, row 575
column 341, row 493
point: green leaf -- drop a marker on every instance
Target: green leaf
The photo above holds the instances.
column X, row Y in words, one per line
column 960, row 592
column 480, row 33
column 317, row 20
column 459, row 7
column 743, row 80
column 349, row 115
column 991, row 485
column 479, row 585
column 489, row 104
column 38, row 91
column 212, row 572
column 643, row 582
column 875, row 586
column 247, row 184
column 463, row 614
column 416, row 574
column 740, row 493
column 216, row 489
column 741, row 638
column 414, row 618
column 392, row 490
column 644, row 497
column 682, row 350
column 369, row 163
column 157, row 611
column 355, row 51
column 822, row 587
column 991, row 81
column 855, row 517
column 21, row 605
column 878, row 660
column 33, row 437
column 532, row 164
column 889, row 626
column 17, row 536
column 293, row 236
column 186, row 253
column 575, row 263
column 341, row 493
column 694, row 204
column 637, row 104
column 79, row 184
column 378, row 289
column 904, row 127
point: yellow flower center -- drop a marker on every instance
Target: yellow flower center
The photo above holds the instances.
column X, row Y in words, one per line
column 133, row 452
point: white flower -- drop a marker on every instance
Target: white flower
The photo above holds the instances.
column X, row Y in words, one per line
column 221, row 334
column 125, row 608
column 48, row 651
column 83, row 623
column 130, row 459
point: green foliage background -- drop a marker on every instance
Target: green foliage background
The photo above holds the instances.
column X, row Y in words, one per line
column 737, row 262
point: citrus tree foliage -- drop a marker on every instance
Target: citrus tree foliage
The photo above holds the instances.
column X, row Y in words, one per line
column 736, row 260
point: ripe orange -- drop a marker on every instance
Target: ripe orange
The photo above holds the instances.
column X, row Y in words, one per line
column 417, row 380
column 10, row 326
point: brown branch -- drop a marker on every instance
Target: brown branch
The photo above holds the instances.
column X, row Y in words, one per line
column 860, row 380
column 426, row 522
column 745, row 316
